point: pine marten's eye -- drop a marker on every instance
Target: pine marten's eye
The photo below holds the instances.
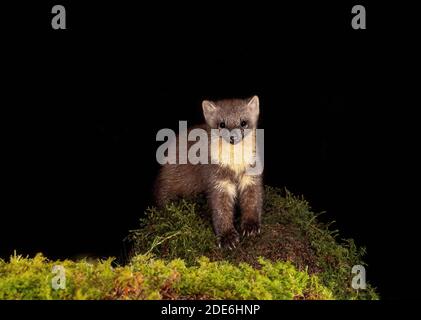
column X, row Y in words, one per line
column 222, row 124
column 244, row 123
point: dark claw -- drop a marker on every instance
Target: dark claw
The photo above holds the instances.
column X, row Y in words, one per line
column 229, row 240
column 250, row 228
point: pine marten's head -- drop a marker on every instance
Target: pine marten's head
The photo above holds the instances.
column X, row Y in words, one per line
column 235, row 115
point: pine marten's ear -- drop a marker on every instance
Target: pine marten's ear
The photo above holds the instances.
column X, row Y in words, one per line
column 209, row 111
column 253, row 107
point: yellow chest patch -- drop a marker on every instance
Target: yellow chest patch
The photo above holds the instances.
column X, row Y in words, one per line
column 245, row 181
column 232, row 189
column 227, row 187
column 236, row 157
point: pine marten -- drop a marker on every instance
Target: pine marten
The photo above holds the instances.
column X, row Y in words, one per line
column 225, row 182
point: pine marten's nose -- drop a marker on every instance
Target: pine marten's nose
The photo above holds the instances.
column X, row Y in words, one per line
column 232, row 140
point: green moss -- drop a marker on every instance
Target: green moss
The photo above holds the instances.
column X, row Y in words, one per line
column 24, row 278
column 148, row 278
column 178, row 231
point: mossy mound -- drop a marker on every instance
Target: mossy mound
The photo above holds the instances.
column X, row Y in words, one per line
column 290, row 233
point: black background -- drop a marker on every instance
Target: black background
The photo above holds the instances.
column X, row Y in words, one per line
column 82, row 107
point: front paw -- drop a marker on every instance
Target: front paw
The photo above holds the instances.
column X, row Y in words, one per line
column 250, row 228
column 229, row 239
